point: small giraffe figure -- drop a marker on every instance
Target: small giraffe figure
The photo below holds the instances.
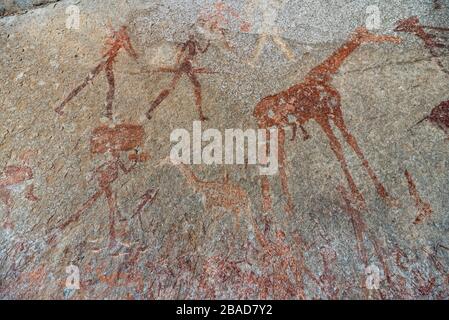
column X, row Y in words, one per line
column 432, row 42
column 268, row 28
column 16, row 177
column 424, row 208
column 113, row 141
column 217, row 195
column 316, row 99
column 119, row 40
column 190, row 50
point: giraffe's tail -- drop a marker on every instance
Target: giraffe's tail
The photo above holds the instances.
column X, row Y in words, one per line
column 418, row 123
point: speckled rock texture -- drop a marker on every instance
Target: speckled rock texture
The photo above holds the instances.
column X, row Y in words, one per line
column 358, row 210
column 10, row 7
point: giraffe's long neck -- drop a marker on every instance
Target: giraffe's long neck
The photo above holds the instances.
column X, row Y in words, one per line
column 424, row 36
column 190, row 176
column 330, row 66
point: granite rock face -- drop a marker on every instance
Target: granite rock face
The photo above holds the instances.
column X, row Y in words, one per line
column 10, row 7
column 91, row 207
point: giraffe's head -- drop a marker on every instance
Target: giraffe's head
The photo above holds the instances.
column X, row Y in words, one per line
column 408, row 25
column 362, row 35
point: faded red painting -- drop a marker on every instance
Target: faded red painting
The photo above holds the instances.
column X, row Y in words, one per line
column 316, row 99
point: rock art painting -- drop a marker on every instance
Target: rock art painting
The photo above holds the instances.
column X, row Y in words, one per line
column 424, row 208
column 112, row 141
column 187, row 52
column 214, row 22
column 316, row 99
column 115, row 43
column 439, row 117
column 218, row 194
column 346, row 102
column 435, row 38
column 265, row 13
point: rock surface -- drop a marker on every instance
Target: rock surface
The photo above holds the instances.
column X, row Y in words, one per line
column 190, row 232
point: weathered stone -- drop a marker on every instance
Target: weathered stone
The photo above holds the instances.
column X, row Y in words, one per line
column 78, row 152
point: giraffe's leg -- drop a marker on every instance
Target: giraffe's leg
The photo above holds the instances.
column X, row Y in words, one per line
column 164, row 94
column 75, row 217
column 197, row 92
column 5, row 197
column 357, row 224
column 260, row 46
column 380, row 254
column 238, row 217
column 111, row 92
column 112, row 203
column 338, row 150
column 350, row 139
column 282, row 171
column 265, row 183
column 266, row 196
column 305, row 134
column 284, row 47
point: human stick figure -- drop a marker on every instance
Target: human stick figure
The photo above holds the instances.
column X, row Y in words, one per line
column 113, row 142
column 268, row 28
column 189, row 50
column 119, row 40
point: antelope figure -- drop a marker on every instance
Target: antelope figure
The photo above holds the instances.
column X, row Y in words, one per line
column 217, row 194
column 316, row 99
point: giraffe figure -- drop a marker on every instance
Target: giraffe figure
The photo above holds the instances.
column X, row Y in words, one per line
column 268, row 29
column 432, row 42
column 217, row 194
column 316, row 99
column 119, row 40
